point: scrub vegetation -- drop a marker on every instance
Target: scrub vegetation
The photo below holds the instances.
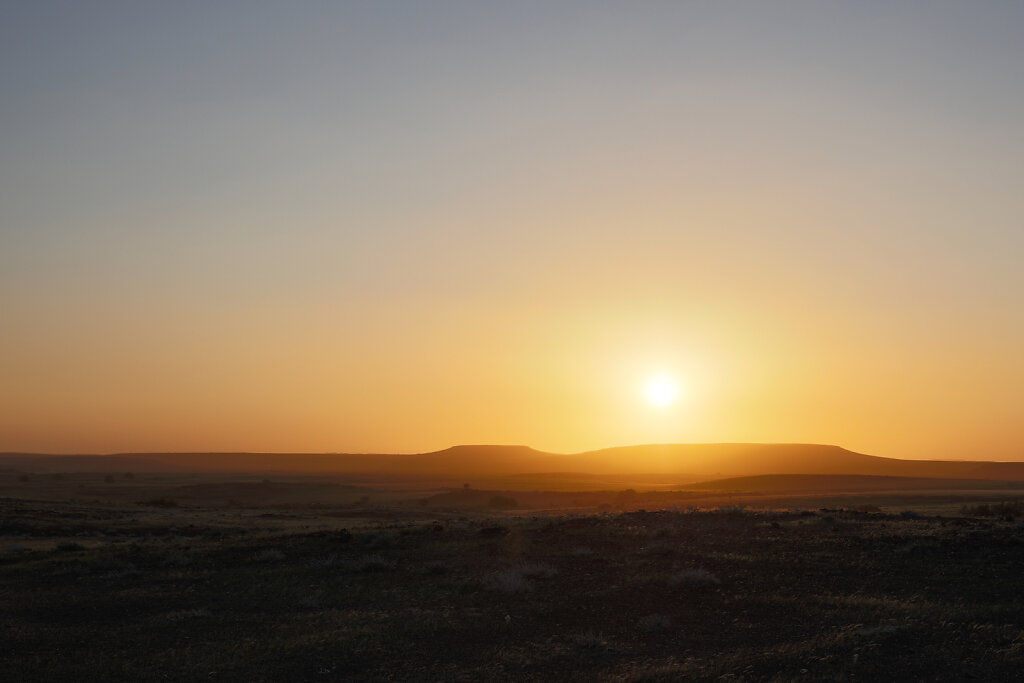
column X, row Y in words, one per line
column 388, row 588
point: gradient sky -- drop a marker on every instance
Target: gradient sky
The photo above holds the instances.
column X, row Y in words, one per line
column 396, row 226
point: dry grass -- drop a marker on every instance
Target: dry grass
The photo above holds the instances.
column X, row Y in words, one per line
column 175, row 594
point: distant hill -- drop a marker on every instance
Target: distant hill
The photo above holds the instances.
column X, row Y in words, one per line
column 736, row 460
column 458, row 460
column 804, row 483
column 687, row 462
column 34, row 462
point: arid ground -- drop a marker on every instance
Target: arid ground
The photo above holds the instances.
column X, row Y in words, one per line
column 149, row 577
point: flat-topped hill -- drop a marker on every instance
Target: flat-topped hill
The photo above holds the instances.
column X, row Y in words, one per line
column 803, row 483
column 688, row 462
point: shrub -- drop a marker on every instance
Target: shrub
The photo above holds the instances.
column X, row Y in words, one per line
column 312, row 601
column 514, row 579
column 162, row 502
column 187, row 614
column 379, row 540
column 178, row 560
column 371, row 564
column 655, row 622
column 268, row 555
column 436, row 569
column 323, row 562
column 68, row 546
column 508, row 581
column 536, row 570
column 696, row 578
column 589, row 640
column 1006, row 510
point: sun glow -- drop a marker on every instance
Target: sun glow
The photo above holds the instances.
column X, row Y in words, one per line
column 661, row 390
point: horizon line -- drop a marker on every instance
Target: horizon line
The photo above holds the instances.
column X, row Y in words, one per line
column 477, row 445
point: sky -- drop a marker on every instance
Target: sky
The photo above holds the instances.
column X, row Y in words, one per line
column 394, row 227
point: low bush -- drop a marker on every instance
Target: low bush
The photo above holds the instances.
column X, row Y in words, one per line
column 68, row 546
column 162, row 502
column 655, row 622
column 370, row 564
column 694, row 577
column 268, row 555
column 508, row 581
column 1007, row 509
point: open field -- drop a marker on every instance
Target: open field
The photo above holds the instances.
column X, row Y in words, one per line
column 179, row 577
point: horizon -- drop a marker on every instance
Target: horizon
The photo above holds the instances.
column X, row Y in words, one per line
column 372, row 228
column 500, row 446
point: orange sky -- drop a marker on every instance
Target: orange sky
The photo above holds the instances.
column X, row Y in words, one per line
column 370, row 229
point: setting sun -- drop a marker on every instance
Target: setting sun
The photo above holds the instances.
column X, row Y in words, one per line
column 553, row 224
column 661, row 390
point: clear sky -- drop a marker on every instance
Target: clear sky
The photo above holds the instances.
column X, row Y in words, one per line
column 397, row 226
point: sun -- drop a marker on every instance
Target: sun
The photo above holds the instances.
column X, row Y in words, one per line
column 661, row 390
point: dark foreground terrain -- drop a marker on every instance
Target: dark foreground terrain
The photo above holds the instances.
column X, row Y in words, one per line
column 92, row 591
